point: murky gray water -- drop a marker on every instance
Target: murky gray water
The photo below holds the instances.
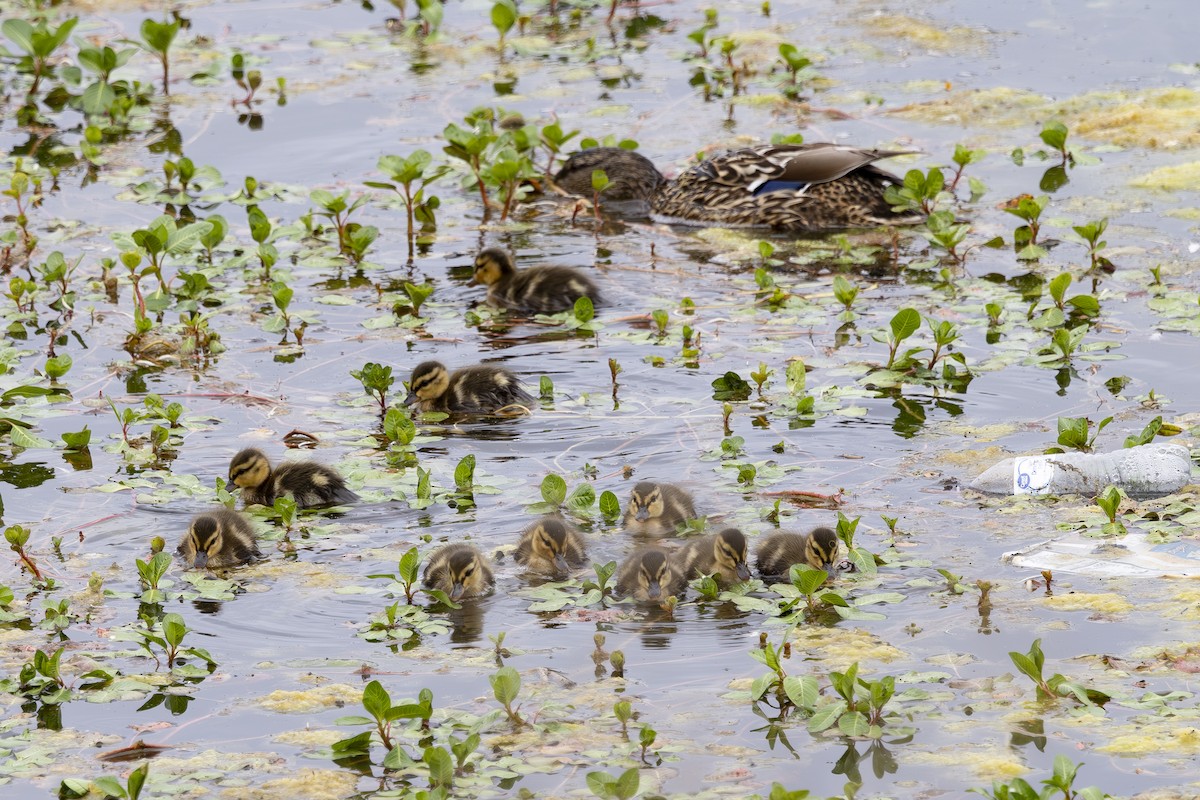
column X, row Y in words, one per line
column 354, row 95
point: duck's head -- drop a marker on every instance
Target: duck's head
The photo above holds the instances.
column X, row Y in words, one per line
column 646, row 501
column 653, row 571
column 429, row 381
column 492, row 265
column 249, row 469
column 631, row 176
column 466, row 573
column 730, row 552
column 549, row 542
column 821, row 550
column 204, row 539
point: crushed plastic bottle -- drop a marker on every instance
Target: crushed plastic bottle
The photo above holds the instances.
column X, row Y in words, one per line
column 1150, row 470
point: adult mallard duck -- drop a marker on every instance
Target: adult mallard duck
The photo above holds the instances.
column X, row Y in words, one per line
column 480, row 389
column 218, row 539
column 778, row 552
column 310, row 483
column 535, row 290
column 722, row 555
column 803, row 187
column 658, row 509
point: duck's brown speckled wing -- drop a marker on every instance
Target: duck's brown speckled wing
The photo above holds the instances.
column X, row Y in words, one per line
column 789, row 187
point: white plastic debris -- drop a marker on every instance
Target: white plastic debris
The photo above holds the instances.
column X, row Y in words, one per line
column 1129, row 556
column 1150, row 470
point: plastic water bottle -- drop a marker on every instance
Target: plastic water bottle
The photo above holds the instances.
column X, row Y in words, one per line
column 1150, row 470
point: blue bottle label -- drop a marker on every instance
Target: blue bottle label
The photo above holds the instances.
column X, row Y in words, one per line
column 1032, row 475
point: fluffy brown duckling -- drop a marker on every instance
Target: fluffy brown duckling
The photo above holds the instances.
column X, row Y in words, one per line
column 722, row 555
column 534, row 290
column 218, row 539
column 649, row 576
column 459, row 570
column 658, row 509
column 480, row 389
column 551, row 546
column 309, row 483
column 778, row 552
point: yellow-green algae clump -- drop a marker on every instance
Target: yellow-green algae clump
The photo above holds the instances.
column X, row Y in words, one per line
column 929, row 35
column 1104, row 602
column 1162, row 119
column 842, row 647
column 318, row 699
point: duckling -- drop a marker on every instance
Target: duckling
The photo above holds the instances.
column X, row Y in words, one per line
column 722, row 555
column 657, row 509
column 779, row 551
column 309, row 483
column 648, row 576
column 551, row 545
column 459, row 570
column 805, row 187
column 218, row 539
column 537, row 290
column 480, row 389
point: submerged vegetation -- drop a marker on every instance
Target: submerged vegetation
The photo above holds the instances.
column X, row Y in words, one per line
column 188, row 270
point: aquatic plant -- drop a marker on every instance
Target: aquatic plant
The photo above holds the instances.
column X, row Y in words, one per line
column 1025, row 237
column 1054, row 687
column 1060, row 783
column 37, row 44
column 408, row 171
column 17, row 537
column 1090, row 233
column 150, row 572
column 107, row 786
column 506, row 685
column 1110, row 503
column 383, row 714
column 614, row 787
column 157, row 38
column 353, row 238
column 376, row 381
column 167, row 634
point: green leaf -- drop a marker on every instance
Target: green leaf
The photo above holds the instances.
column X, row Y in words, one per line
column 610, row 506
column 554, row 489
column 464, row 473
column 584, row 497
column 376, row 700
column 504, row 16
column 627, row 783
column 441, row 766
column 137, row 779
column 506, row 684
column 905, row 324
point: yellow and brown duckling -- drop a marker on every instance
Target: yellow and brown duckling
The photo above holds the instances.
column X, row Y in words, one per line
column 722, row 555
column 535, row 290
column 778, row 552
column 218, row 539
column 648, row 575
column 309, row 483
column 551, row 546
column 459, row 570
column 480, row 389
column 805, row 187
column 658, row 509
